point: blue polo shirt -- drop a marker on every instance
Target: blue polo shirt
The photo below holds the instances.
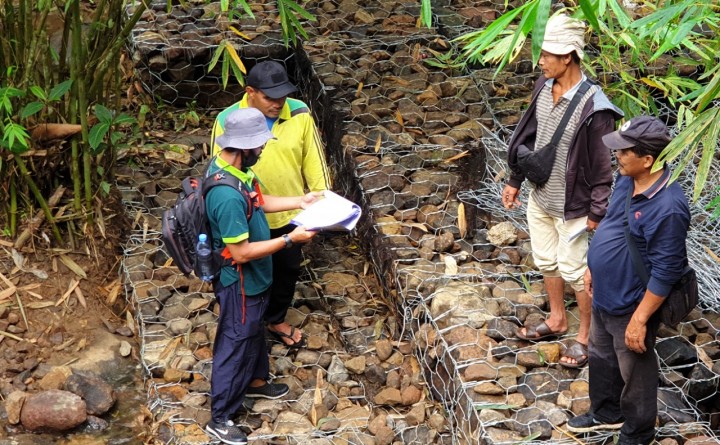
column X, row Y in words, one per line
column 658, row 219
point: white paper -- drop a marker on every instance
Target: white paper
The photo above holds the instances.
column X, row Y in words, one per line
column 333, row 213
column 577, row 234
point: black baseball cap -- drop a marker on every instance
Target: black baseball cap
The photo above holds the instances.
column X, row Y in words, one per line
column 271, row 78
column 641, row 131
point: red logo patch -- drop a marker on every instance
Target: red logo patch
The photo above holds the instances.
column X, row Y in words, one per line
column 637, row 215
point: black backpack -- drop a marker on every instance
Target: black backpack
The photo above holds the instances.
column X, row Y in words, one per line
column 186, row 220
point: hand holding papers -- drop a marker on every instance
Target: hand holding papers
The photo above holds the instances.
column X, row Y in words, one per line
column 333, row 213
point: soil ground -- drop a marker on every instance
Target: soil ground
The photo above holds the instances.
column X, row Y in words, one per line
column 61, row 315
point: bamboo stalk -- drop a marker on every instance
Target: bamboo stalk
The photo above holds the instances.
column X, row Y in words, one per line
column 25, row 174
column 38, row 219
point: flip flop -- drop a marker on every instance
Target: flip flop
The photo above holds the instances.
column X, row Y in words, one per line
column 538, row 332
column 280, row 335
column 578, row 352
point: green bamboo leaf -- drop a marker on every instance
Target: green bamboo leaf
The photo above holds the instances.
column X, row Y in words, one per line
column 38, row 92
column 97, row 134
column 478, row 41
column 688, row 139
column 225, row 70
column 709, row 143
column 238, row 74
column 103, row 114
column 588, row 9
column 620, row 14
column 711, row 92
column 31, row 109
column 60, row 90
column 299, row 9
column 538, row 32
column 216, row 56
column 16, row 137
column 680, row 167
column 426, row 13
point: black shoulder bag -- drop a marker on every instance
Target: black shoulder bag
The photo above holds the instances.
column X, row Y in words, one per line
column 683, row 296
column 536, row 165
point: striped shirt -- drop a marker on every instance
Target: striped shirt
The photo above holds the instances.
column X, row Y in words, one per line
column 551, row 195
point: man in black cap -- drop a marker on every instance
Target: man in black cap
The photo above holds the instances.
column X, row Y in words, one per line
column 291, row 165
column 623, row 365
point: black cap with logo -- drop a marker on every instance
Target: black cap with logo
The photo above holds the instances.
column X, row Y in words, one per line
column 642, row 131
column 271, row 78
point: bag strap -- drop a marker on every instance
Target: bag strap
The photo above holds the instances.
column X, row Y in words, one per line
column 638, row 264
column 582, row 89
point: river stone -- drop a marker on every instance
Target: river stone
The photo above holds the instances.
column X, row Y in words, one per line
column 459, row 303
column 13, row 406
column 337, row 373
column 98, row 395
column 289, row 422
column 502, row 234
column 55, row 379
column 540, row 419
column 53, row 409
column 676, row 351
column 541, row 384
column 388, row 396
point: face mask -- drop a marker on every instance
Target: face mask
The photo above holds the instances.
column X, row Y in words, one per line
column 249, row 158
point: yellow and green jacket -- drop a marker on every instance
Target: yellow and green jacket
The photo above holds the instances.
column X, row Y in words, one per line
column 290, row 165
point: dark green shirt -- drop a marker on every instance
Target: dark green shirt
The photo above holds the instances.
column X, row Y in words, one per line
column 227, row 213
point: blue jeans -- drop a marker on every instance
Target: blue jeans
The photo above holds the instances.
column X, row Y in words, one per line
column 239, row 353
column 623, row 383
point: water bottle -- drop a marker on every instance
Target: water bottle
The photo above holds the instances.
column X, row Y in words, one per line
column 204, row 258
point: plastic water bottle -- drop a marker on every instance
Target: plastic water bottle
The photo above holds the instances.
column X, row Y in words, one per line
column 204, row 258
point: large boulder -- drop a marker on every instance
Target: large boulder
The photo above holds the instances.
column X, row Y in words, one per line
column 53, row 410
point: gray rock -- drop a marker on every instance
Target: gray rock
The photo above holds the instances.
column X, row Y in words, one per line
column 98, row 395
column 337, row 372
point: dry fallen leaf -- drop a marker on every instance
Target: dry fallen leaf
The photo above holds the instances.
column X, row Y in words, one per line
column 72, row 265
column 462, row 222
column 378, row 143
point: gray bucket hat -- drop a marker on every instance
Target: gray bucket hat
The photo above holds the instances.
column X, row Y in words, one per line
column 245, row 129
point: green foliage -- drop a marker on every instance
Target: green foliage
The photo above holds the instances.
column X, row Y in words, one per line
column 636, row 59
column 106, row 133
column 61, row 61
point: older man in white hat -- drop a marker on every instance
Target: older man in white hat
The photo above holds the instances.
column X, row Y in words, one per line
column 572, row 196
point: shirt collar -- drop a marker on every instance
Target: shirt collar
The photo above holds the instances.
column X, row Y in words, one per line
column 244, row 176
column 571, row 92
column 661, row 182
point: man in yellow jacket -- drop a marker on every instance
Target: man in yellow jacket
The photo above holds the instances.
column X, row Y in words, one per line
column 291, row 165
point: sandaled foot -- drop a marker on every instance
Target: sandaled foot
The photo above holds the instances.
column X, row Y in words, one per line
column 289, row 339
column 538, row 332
column 576, row 356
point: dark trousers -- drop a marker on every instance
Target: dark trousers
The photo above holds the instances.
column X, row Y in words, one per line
column 239, row 354
column 286, row 270
column 623, row 383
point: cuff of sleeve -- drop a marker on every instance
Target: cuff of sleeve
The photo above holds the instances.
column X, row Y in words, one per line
column 514, row 182
column 595, row 218
column 658, row 288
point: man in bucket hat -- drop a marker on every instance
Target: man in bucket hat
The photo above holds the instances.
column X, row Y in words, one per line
column 623, row 365
column 574, row 199
column 292, row 164
column 240, row 357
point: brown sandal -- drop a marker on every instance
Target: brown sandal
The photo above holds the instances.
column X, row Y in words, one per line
column 577, row 352
column 538, row 332
column 279, row 336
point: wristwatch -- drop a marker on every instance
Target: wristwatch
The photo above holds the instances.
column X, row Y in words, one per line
column 288, row 240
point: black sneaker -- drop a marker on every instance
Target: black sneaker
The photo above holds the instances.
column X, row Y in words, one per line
column 268, row 391
column 226, row 432
column 587, row 423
